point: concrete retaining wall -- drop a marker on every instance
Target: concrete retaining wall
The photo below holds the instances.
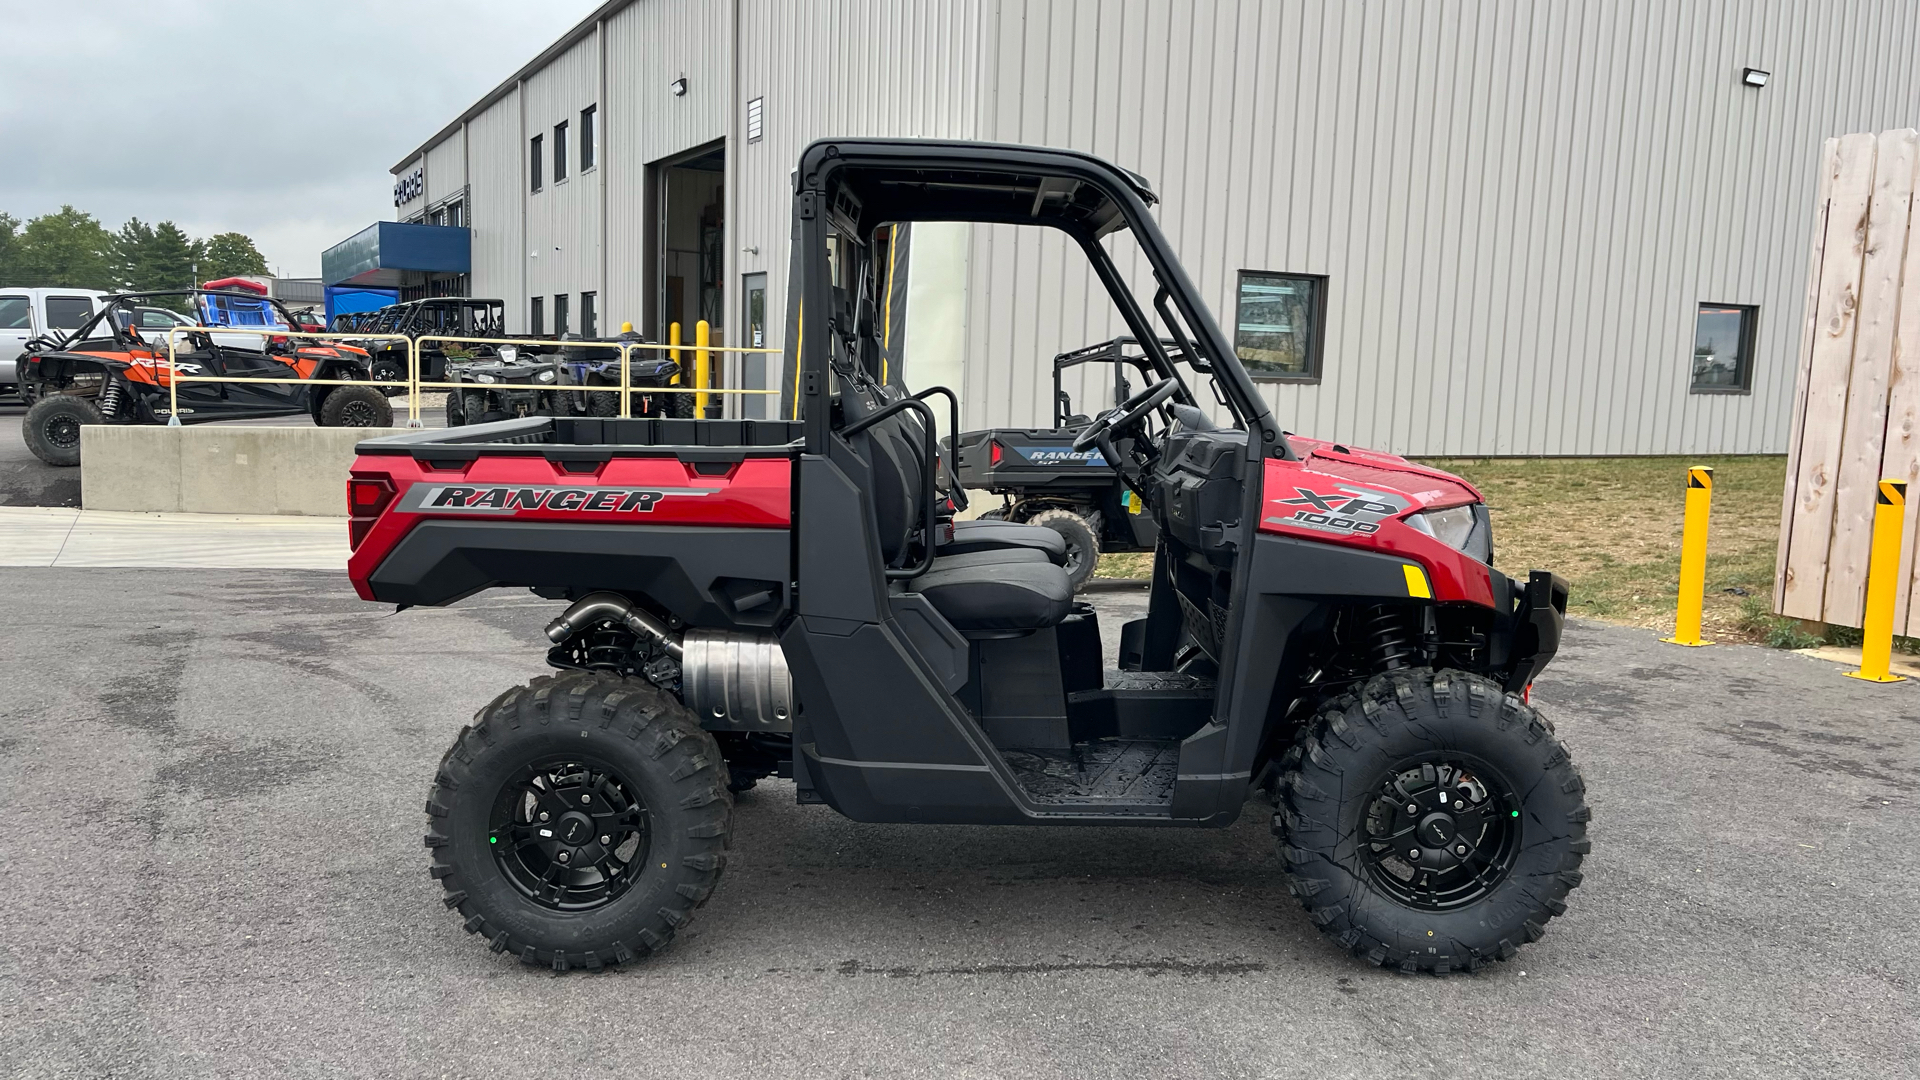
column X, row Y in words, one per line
column 224, row 469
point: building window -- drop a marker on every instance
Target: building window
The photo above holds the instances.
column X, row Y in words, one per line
column 755, row 109
column 537, row 320
column 559, row 151
column 533, row 161
column 589, row 315
column 1723, row 348
column 1278, row 324
column 587, row 137
column 560, row 315
column 456, row 214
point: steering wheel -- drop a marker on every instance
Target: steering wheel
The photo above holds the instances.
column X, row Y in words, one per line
column 1125, row 415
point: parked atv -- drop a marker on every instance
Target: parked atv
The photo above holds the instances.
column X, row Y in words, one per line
column 115, row 369
column 747, row 598
column 516, row 382
column 592, row 363
column 1045, row 481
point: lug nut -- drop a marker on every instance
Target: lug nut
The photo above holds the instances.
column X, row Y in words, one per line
column 586, row 798
column 1460, row 849
column 564, row 857
column 1412, row 808
column 606, row 841
column 544, row 815
column 1413, row 853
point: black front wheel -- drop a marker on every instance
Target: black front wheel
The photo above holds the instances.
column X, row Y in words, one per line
column 1083, row 542
column 580, row 821
column 1431, row 822
column 52, row 427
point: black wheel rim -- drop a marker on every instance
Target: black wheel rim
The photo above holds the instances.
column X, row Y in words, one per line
column 1440, row 832
column 356, row 414
column 63, row 432
column 570, row 835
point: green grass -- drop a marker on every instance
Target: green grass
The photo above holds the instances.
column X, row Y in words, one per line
column 1611, row 527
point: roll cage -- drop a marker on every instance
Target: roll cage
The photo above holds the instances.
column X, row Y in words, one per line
column 127, row 302
column 845, row 189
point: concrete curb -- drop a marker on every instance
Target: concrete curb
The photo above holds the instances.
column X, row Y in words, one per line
column 219, row 469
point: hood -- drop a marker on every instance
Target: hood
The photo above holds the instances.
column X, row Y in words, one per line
column 1430, row 488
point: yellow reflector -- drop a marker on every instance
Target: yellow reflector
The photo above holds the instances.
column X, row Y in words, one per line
column 1416, row 582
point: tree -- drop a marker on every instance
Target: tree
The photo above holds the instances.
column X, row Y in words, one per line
column 130, row 254
column 9, row 249
column 232, row 254
column 68, row 248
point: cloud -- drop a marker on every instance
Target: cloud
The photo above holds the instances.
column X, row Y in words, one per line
column 277, row 120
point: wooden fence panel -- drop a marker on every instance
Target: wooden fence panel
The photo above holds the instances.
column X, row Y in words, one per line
column 1864, row 424
column 1826, row 371
column 1829, row 165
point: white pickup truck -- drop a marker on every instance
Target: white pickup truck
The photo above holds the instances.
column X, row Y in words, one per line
column 29, row 313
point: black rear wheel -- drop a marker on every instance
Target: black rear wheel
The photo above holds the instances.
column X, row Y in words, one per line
column 52, row 427
column 1431, row 822
column 580, row 820
column 356, row 406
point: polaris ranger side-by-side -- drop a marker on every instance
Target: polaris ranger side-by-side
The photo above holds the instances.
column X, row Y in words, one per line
column 755, row 597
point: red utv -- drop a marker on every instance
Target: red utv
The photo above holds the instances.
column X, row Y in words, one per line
column 747, row 598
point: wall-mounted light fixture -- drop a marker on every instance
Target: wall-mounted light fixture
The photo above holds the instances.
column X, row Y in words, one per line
column 1755, row 77
column 678, row 87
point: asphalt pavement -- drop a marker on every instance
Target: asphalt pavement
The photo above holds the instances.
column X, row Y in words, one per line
column 212, row 783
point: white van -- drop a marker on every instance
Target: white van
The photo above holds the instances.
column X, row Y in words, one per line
column 31, row 313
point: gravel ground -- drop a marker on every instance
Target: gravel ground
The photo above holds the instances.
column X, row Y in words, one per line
column 213, row 787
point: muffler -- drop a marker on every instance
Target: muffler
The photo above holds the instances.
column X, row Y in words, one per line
column 733, row 681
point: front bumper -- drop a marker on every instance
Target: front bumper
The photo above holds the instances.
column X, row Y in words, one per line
column 1527, row 625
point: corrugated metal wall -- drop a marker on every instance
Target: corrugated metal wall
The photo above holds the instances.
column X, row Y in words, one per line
column 446, row 167
column 498, row 185
column 650, row 44
column 1518, row 205
column 563, row 217
column 836, row 67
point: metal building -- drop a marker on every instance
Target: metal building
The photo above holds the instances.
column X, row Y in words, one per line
column 1440, row 227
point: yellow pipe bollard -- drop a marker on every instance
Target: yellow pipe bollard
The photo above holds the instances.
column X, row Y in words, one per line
column 702, row 366
column 1693, row 559
column 1883, row 583
column 673, row 339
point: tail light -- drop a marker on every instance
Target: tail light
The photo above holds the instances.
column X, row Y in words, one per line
column 367, row 499
column 994, row 452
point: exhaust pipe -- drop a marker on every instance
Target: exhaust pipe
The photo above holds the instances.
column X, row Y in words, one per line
column 612, row 607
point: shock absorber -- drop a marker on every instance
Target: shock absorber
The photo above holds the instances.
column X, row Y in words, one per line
column 111, row 398
column 1391, row 637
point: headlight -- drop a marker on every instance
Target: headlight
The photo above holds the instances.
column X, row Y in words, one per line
column 509, row 353
column 1462, row 528
column 543, row 376
column 482, row 377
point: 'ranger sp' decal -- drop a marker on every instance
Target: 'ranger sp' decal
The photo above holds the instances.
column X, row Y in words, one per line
column 1061, row 455
column 508, row 499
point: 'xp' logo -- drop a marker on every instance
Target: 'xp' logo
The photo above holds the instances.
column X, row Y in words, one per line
column 1338, row 504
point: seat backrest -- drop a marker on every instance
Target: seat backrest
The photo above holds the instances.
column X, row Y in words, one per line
column 898, row 494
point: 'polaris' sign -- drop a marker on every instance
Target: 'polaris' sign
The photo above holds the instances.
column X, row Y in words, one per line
column 409, row 187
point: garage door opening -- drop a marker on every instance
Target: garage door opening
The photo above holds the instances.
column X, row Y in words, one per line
column 690, row 253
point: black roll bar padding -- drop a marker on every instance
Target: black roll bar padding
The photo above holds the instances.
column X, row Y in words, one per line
column 929, row 456
column 954, row 491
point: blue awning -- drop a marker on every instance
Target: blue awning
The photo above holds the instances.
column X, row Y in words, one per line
column 390, row 254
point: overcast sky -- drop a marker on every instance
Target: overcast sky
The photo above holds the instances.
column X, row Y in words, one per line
column 276, row 119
